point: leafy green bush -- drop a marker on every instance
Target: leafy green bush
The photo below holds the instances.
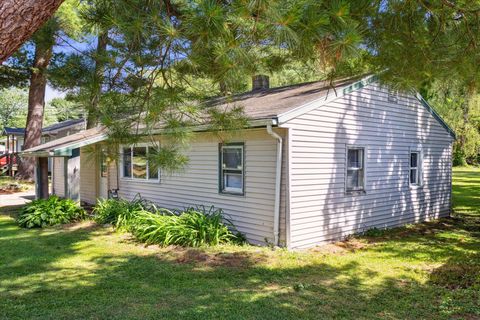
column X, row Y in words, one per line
column 194, row 227
column 119, row 212
column 49, row 212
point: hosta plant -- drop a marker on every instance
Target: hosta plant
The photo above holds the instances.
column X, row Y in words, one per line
column 48, row 212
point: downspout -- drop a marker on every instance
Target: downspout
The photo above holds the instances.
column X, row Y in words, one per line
column 278, row 175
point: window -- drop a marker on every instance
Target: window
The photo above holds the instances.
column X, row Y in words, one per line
column 231, row 168
column 135, row 163
column 355, row 178
column 393, row 96
column 139, row 161
column 127, row 162
column 103, row 164
column 415, row 168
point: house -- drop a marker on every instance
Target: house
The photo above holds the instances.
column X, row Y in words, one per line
column 12, row 140
column 316, row 164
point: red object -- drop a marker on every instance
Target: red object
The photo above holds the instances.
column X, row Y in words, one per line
column 5, row 159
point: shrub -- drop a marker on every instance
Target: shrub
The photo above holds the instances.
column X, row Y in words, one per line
column 120, row 212
column 49, row 212
column 194, row 227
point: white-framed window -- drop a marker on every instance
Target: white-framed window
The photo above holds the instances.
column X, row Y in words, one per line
column 232, row 169
column 135, row 164
column 355, row 169
column 415, row 172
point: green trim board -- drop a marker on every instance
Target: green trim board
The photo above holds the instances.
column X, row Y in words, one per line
column 67, row 150
column 434, row 113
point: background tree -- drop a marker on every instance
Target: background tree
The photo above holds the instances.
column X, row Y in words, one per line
column 13, row 107
column 43, row 41
column 419, row 44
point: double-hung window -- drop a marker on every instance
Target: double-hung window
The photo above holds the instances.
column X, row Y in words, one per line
column 135, row 163
column 355, row 175
column 415, row 168
column 232, row 168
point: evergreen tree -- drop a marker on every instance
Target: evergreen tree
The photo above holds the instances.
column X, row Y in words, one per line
column 64, row 22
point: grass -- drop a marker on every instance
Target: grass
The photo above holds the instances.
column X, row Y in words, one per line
column 426, row 271
column 10, row 185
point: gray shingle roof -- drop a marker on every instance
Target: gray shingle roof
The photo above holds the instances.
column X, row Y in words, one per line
column 63, row 124
column 51, row 128
column 272, row 102
column 13, row 131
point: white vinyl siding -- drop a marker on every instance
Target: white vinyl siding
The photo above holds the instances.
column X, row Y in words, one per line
column 320, row 210
column 88, row 177
column 251, row 212
column 58, row 179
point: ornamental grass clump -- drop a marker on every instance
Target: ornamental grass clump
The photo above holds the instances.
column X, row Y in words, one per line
column 119, row 212
column 193, row 227
column 49, row 212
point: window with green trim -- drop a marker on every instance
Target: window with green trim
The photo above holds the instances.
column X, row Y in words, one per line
column 232, row 168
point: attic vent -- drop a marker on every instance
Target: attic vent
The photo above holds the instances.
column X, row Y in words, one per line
column 393, row 96
column 260, row 82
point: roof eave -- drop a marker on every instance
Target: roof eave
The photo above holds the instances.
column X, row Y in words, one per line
column 66, row 150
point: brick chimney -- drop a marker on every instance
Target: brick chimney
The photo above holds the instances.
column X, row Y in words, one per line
column 260, row 82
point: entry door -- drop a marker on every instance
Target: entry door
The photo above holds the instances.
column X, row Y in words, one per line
column 103, row 179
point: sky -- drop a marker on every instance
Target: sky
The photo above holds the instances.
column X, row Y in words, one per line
column 51, row 93
column 67, row 46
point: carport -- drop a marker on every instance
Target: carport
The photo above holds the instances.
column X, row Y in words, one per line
column 68, row 149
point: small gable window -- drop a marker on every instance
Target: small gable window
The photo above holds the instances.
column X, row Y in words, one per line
column 393, row 96
column 232, row 168
column 355, row 175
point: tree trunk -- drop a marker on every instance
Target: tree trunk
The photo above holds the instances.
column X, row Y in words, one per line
column 20, row 19
column 36, row 105
column 98, row 77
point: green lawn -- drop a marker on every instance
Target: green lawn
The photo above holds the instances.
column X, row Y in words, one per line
column 428, row 271
column 9, row 184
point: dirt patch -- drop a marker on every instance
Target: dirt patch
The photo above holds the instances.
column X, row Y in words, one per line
column 343, row 247
column 221, row 259
column 456, row 276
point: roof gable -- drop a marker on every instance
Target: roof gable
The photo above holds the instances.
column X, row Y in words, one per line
column 357, row 85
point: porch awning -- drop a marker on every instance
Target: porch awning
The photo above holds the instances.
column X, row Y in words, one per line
column 63, row 147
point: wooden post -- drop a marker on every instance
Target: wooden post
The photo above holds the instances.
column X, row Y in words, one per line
column 41, row 177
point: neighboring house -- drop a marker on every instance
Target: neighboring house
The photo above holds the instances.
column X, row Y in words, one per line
column 316, row 164
column 13, row 138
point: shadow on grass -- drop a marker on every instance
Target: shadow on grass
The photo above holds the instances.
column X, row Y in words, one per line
column 194, row 283
column 83, row 272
